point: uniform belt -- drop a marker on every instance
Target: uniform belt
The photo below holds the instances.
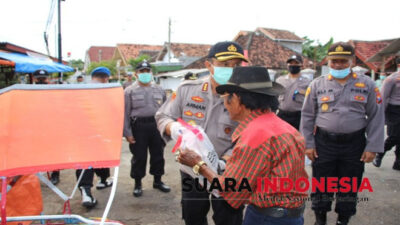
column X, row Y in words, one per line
column 278, row 212
column 340, row 137
column 148, row 119
column 290, row 113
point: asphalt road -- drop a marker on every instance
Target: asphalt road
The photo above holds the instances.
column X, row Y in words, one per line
column 382, row 206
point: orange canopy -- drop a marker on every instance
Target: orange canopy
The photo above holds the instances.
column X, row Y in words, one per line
column 51, row 127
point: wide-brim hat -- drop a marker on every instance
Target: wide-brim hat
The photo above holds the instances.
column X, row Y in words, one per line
column 251, row 79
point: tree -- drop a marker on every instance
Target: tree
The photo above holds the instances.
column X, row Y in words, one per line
column 111, row 65
column 134, row 62
column 315, row 50
column 76, row 64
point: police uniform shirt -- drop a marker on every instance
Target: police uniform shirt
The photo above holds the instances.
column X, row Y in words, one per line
column 126, row 84
column 195, row 103
column 391, row 90
column 295, row 89
column 141, row 101
column 344, row 109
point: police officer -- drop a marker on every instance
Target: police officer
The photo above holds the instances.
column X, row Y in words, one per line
column 198, row 103
column 142, row 100
column 41, row 76
column 391, row 103
column 99, row 75
column 128, row 82
column 339, row 111
column 291, row 101
column 79, row 79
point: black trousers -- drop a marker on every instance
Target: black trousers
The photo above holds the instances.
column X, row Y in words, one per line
column 147, row 137
column 338, row 157
column 293, row 118
column 392, row 115
column 196, row 204
column 88, row 175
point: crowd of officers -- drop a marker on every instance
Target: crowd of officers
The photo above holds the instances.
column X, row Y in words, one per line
column 341, row 116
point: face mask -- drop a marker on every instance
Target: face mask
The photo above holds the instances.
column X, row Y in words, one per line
column 382, row 77
column 340, row 74
column 222, row 74
column 294, row 69
column 41, row 81
column 144, row 77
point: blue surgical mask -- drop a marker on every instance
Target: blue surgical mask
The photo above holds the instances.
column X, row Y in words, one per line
column 382, row 77
column 340, row 74
column 145, row 78
column 222, row 74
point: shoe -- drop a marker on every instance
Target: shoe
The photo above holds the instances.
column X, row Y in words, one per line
column 102, row 185
column 88, row 200
column 378, row 160
column 320, row 218
column 55, row 178
column 137, row 192
column 162, row 187
column 396, row 165
column 342, row 220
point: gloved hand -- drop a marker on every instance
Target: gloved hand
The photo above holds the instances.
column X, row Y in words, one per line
column 176, row 130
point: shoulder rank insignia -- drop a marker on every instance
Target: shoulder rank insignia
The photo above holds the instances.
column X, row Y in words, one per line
column 205, row 87
column 330, row 77
column 355, row 76
column 173, row 96
column 197, row 99
column 360, row 85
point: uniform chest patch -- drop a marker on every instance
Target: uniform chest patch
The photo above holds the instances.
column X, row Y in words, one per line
column 378, row 96
column 188, row 113
column 325, row 98
column 360, row 85
column 196, row 106
column 359, row 98
column 324, row 107
column 197, row 99
column 228, row 130
column 192, row 122
column 199, row 115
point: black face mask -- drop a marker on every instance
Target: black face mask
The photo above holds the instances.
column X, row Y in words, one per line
column 294, row 69
column 41, row 81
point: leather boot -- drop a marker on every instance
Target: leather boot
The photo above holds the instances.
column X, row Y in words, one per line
column 378, row 159
column 342, row 220
column 87, row 198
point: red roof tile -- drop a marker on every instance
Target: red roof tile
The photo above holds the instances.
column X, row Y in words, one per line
column 366, row 49
column 263, row 51
column 106, row 53
column 186, row 50
column 132, row 51
column 276, row 34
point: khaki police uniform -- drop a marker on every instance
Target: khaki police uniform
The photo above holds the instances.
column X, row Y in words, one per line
column 195, row 103
column 391, row 103
column 291, row 102
column 342, row 116
column 141, row 104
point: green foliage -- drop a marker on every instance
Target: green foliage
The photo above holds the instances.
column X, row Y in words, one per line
column 111, row 65
column 76, row 64
column 134, row 62
column 315, row 50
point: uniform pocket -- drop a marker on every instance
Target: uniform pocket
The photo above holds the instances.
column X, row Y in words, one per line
column 358, row 101
column 158, row 99
column 138, row 101
column 325, row 102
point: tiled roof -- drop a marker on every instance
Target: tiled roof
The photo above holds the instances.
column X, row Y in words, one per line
column 106, row 53
column 276, row 34
column 185, row 50
column 132, row 51
column 366, row 49
column 198, row 64
column 263, row 51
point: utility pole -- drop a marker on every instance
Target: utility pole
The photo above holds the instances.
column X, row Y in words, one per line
column 169, row 40
column 59, row 40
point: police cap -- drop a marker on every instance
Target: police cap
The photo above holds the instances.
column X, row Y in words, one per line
column 223, row 51
column 340, row 50
column 296, row 58
column 143, row 65
column 101, row 71
column 40, row 73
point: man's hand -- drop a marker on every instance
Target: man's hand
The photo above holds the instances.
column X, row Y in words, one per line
column 175, row 129
column 131, row 140
column 367, row 157
column 188, row 157
column 311, row 153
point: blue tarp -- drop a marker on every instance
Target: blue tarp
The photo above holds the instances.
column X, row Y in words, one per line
column 28, row 64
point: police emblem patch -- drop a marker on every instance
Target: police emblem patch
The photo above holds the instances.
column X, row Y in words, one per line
column 378, row 96
column 232, row 48
column 324, row 107
column 339, row 49
column 360, row 85
column 197, row 99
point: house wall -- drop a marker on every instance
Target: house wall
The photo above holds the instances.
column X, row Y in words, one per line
column 170, row 83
